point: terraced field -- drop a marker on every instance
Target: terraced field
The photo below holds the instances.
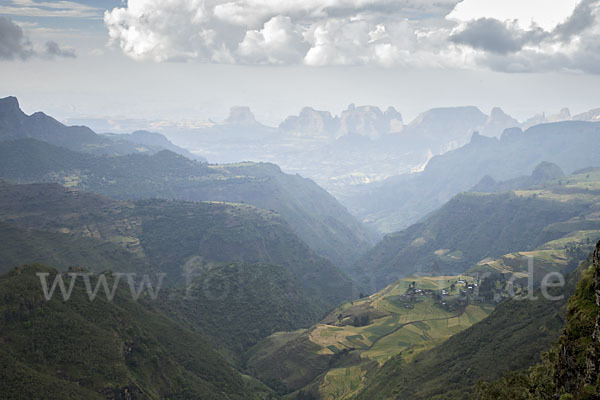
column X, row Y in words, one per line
column 405, row 318
column 397, row 322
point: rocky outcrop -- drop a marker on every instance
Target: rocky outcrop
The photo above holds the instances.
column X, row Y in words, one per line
column 240, row 116
column 369, row 121
column 311, row 122
column 563, row 115
column 497, row 122
column 591, row 116
column 365, row 121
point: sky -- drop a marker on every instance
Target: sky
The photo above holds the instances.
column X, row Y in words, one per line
column 191, row 60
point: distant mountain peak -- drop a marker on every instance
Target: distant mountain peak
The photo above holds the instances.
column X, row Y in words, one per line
column 546, row 171
column 10, row 106
column 485, row 185
column 563, row 115
column 440, row 113
column 311, row 122
column 9, row 101
column 241, row 115
column 394, row 120
column 591, row 116
column 497, row 122
column 368, row 121
column 497, row 112
column 15, row 124
column 392, row 112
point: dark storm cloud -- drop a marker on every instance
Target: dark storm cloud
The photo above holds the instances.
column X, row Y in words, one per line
column 491, row 35
column 13, row 43
column 585, row 58
column 572, row 45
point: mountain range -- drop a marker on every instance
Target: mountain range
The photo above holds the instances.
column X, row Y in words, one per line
column 362, row 145
column 261, row 285
column 402, row 200
column 15, row 124
column 311, row 211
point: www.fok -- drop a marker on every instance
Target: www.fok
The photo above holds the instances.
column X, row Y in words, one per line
column 102, row 282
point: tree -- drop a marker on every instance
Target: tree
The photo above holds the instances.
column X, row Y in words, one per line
column 364, row 320
column 487, row 289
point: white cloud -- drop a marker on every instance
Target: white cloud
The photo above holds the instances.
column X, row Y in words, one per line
column 506, row 35
column 338, row 42
column 543, row 13
column 278, row 42
column 314, row 32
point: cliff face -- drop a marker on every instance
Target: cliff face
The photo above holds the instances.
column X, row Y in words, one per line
column 578, row 363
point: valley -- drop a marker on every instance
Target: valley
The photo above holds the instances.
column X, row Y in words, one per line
column 272, row 288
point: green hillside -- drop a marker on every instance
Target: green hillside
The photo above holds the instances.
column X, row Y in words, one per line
column 61, row 250
column 426, row 337
column 476, row 226
column 238, row 304
column 332, row 358
column 314, row 215
column 176, row 236
column 569, row 369
column 512, row 338
column 273, row 280
column 98, row 349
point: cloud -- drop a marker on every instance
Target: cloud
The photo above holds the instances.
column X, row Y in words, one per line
column 15, row 45
column 515, row 37
column 495, row 36
column 278, row 42
column 542, row 13
column 313, row 32
column 572, row 44
column 54, row 50
column 581, row 19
